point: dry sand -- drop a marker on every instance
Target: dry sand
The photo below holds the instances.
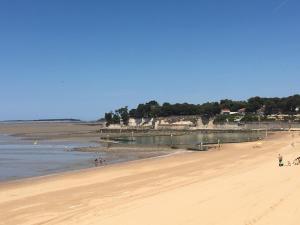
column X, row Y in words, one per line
column 240, row 184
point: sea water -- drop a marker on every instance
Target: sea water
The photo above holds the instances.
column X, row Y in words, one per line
column 22, row 158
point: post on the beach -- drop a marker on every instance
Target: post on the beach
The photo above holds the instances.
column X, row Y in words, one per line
column 266, row 132
column 201, row 145
column 171, row 136
column 107, row 140
column 219, row 144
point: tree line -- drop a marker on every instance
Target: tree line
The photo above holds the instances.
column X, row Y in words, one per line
column 152, row 109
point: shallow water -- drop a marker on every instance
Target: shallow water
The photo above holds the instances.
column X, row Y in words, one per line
column 22, row 158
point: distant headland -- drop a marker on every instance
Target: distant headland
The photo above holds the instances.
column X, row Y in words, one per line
column 41, row 120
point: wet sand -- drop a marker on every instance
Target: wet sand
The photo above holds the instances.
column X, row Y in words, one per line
column 238, row 184
column 86, row 132
column 51, row 130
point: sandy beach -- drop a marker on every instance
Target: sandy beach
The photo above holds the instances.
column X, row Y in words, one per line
column 150, row 112
column 238, row 184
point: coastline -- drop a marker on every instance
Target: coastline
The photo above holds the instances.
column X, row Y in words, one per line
column 56, row 175
column 74, row 134
column 196, row 184
column 89, row 133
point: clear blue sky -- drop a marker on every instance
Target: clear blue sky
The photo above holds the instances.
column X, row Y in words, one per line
column 78, row 59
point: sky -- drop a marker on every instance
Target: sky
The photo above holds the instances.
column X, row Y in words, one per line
column 82, row 58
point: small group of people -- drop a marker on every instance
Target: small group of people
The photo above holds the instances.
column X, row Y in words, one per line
column 99, row 161
column 281, row 163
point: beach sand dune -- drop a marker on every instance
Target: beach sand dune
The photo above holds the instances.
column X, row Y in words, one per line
column 238, row 184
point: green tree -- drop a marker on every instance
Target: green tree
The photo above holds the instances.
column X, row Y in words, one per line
column 207, row 110
column 210, row 109
column 254, row 104
column 132, row 113
column 116, row 119
column 108, row 117
column 123, row 114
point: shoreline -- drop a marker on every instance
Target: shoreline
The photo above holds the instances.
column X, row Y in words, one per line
column 83, row 133
column 61, row 132
column 48, row 131
column 135, row 148
column 202, row 182
column 89, row 133
column 85, row 170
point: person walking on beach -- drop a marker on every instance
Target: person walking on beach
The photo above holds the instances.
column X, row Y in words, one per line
column 280, row 160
